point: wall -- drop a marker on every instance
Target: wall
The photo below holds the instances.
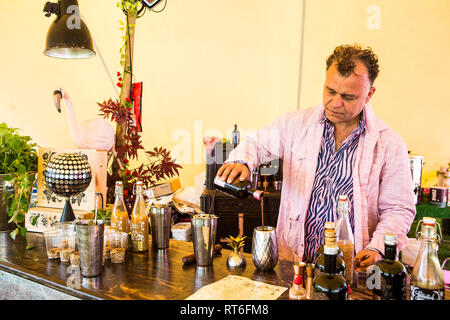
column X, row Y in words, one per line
column 207, row 65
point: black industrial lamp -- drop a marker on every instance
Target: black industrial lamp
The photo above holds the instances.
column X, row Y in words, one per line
column 68, row 36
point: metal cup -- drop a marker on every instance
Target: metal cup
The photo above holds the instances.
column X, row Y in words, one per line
column 160, row 220
column 264, row 248
column 90, row 246
column 203, row 237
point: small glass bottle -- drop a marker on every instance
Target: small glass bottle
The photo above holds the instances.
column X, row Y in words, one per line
column 235, row 136
column 393, row 273
column 297, row 292
column 238, row 189
column 329, row 285
column 345, row 239
column 427, row 279
column 139, row 222
column 119, row 215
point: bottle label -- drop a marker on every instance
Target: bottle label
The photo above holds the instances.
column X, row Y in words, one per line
column 219, row 182
column 424, row 294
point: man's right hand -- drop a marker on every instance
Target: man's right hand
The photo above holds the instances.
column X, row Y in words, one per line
column 229, row 171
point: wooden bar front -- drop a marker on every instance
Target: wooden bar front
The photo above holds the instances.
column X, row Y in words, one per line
column 155, row 275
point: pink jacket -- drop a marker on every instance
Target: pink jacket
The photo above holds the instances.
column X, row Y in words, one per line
column 382, row 184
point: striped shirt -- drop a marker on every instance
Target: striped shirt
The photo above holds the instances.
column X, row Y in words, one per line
column 333, row 177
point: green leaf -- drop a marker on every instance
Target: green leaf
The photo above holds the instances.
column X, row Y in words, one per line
column 20, row 218
column 14, row 233
column 34, row 220
column 30, row 247
column 23, row 231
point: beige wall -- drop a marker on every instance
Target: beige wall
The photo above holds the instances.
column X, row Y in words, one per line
column 207, row 64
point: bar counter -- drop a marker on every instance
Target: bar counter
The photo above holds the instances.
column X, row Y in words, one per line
column 155, row 275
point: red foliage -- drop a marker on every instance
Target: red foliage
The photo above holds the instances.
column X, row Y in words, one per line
column 160, row 165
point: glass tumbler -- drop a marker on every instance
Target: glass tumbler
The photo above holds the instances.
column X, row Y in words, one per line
column 119, row 244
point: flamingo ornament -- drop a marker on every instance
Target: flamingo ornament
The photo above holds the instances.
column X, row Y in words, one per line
column 95, row 134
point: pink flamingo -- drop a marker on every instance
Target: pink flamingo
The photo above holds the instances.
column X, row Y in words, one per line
column 97, row 134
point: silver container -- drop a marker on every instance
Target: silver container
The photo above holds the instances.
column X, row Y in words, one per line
column 416, row 164
column 265, row 248
column 203, row 237
column 90, row 246
column 160, row 222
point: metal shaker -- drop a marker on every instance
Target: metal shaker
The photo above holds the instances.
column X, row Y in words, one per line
column 160, row 222
column 90, row 246
column 203, row 237
column 264, row 248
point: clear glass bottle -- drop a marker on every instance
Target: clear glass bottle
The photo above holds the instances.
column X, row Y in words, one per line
column 319, row 263
column 427, row 280
column 297, row 292
column 329, row 285
column 119, row 215
column 393, row 272
column 238, row 189
column 139, row 222
column 345, row 239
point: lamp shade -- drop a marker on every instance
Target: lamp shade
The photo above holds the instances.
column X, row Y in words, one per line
column 68, row 36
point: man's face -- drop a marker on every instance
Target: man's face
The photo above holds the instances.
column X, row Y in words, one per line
column 345, row 97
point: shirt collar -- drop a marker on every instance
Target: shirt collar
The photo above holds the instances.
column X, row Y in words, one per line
column 361, row 126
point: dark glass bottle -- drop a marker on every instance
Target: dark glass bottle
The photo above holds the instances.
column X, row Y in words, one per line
column 238, row 189
column 329, row 285
column 235, row 136
column 319, row 263
column 392, row 272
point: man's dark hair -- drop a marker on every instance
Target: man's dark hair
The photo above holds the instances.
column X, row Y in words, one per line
column 345, row 55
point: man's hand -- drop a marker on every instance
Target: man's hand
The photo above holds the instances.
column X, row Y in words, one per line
column 229, row 171
column 366, row 258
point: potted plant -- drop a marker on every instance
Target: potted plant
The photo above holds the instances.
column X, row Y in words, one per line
column 18, row 167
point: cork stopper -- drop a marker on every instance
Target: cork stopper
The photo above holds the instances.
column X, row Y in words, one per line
column 330, row 237
column 330, row 225
column 330, row 246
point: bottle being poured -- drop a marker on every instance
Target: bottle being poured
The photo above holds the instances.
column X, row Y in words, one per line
column 239, row 189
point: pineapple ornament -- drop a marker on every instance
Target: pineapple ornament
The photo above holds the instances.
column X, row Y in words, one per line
column 236, row 259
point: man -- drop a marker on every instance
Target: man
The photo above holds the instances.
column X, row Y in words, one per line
column 339, row 147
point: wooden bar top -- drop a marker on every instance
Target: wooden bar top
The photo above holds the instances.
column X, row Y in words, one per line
column 155, row 275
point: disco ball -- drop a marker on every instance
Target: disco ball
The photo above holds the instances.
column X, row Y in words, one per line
column 67, row 175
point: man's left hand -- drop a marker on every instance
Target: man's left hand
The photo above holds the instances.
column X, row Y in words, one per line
column 366, row 258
